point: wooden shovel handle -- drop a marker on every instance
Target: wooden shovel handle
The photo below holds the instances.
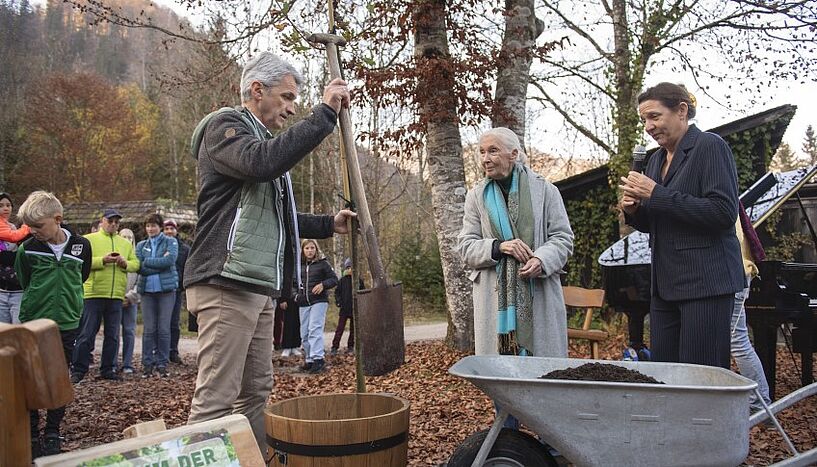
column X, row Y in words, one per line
column 356, row 180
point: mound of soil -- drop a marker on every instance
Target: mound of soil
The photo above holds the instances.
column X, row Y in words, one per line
column 601, row 372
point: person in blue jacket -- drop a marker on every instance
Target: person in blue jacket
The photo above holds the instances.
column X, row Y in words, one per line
column 158, row 281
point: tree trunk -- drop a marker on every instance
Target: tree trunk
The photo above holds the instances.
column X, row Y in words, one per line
column 625, row 116
column 629, row 78
column 438, row 110
column 521, row 30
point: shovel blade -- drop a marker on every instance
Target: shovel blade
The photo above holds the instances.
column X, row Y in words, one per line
column 380, row 328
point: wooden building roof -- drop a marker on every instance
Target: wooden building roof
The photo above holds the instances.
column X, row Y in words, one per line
column 80, row 215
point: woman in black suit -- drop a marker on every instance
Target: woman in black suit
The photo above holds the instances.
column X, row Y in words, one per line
column 687, row 201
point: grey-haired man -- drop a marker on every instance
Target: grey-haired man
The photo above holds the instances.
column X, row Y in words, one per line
column 245, row 253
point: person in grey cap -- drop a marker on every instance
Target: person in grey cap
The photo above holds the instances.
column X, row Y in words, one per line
column 113, row 258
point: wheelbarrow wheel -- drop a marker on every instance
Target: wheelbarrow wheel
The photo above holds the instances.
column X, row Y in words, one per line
column 512, row 448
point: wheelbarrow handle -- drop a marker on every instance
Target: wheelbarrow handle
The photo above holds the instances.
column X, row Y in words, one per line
column 798, row 458
column 784, row 403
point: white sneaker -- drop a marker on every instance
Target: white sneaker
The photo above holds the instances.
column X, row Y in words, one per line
column 286, row 353
column 297, row 352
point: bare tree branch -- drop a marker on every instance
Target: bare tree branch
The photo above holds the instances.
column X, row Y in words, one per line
column 578, row 126
column 575, row 72
column 578, row 30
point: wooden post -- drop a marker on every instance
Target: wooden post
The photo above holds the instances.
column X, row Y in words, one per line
column 144, row 428
column 33, row 375
column 15, row 431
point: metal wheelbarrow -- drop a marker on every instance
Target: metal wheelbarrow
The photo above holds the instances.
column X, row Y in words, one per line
column 700, row 417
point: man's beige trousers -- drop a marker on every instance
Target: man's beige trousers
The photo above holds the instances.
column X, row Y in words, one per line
column 235, row 355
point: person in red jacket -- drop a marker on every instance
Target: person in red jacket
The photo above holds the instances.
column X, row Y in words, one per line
column 10, row 291
column 8, row 231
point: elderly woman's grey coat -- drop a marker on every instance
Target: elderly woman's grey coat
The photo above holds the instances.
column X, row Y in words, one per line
column 553, row 244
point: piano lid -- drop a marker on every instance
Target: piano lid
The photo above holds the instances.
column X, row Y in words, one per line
column 761, row 200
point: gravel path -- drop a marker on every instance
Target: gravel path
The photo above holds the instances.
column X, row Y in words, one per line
column 420, row 332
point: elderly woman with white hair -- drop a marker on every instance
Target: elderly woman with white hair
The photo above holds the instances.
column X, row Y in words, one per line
column 516, row 238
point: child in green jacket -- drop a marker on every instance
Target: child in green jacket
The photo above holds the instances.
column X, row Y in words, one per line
column 51, row 268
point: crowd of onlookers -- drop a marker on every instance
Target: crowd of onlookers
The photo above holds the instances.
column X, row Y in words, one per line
column 103, row 278
column 81, row 282
column 126, row 276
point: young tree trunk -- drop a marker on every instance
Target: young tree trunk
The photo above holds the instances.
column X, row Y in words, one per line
column 522, row 27
column 438, row 109
column 629, row 77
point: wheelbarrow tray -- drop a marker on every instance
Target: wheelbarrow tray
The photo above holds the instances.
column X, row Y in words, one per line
column 700, row 417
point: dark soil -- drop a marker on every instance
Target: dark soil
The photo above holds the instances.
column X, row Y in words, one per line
column 601, row 372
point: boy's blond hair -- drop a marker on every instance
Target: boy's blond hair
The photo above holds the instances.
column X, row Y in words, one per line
column 39, row 205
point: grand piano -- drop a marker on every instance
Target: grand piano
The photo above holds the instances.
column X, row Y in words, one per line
column 784, row 293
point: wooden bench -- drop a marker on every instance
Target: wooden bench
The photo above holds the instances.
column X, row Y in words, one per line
column 589, row 300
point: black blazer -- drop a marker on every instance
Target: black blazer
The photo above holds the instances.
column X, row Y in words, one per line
column 690, row 217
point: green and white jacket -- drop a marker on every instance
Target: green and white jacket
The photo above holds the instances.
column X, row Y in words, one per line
column 247, row 234
column 52, row 288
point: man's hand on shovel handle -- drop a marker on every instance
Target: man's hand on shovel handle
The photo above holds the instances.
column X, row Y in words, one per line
column 336, row 95
column 341, row 226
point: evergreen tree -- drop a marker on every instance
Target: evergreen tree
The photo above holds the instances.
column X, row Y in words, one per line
column 810, row 146
column 785, row 159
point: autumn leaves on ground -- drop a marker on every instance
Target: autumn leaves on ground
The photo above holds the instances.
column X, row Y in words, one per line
column 444, row 409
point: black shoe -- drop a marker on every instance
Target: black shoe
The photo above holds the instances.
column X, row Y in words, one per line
column 317, row 366
column 163, row 372
column 36, row 447
column 306, row 366
column 110, row 377
column 147, row 372
column 51, row 444
column 175, row 358
column 333, row 352
column 77, row 377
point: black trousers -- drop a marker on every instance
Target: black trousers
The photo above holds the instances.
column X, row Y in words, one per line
column 175, row 330
column 291, row 335
column 692, row 331
column 635, row 327
column 53, row 417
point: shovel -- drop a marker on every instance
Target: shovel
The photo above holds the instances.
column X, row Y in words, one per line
column 380, row 308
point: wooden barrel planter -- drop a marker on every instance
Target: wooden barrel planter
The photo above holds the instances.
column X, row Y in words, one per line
column 361, row 430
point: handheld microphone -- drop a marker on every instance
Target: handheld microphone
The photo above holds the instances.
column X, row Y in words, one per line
column 639, row 154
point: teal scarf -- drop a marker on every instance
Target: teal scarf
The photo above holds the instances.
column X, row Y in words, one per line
column 511, row 220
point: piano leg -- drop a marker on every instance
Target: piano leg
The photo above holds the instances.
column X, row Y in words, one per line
column 808, row 354
column 807, row 377
column 802, row 342
column 765, row 337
